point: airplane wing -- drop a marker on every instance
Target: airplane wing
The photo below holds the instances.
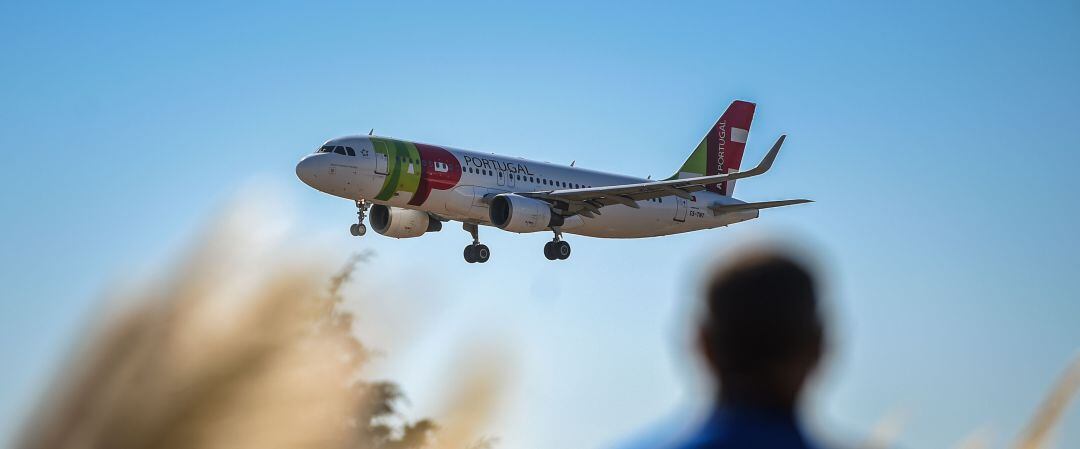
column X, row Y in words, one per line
column 588, row 201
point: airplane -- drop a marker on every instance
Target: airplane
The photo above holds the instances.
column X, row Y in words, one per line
column 412, row 188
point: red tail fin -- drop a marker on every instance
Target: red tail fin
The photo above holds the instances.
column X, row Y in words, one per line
column 726, row 141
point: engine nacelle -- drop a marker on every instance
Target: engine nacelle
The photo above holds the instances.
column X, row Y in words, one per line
column 402, row 223
column 516, row 213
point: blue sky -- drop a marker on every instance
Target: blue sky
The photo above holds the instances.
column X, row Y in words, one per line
column 939, row 141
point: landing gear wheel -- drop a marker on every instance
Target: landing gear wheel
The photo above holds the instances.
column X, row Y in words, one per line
column 561, row 249
column 549, row 251
column 557, row 248
column 477, row 253
column 358, row 229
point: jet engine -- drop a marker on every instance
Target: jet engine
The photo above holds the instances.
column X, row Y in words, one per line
column 516, row 213
column 402, row 223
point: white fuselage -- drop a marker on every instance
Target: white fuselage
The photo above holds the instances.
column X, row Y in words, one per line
column 422, row 177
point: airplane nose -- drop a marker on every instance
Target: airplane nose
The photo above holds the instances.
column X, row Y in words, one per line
column 306, row 169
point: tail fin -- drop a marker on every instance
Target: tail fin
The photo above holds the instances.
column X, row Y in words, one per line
column 721, row 150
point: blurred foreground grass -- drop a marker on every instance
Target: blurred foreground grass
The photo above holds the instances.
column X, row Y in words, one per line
column 238, row 348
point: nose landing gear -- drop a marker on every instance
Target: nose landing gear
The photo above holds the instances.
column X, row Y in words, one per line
column 358, row 229
column 476, row 252
column 557, row 248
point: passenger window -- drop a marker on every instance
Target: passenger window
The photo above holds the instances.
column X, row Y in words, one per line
column 350, row 151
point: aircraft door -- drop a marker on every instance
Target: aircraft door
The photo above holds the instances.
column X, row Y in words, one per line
column 510, row 180
column 381, row 164
column 680, row 209
column 502, row 180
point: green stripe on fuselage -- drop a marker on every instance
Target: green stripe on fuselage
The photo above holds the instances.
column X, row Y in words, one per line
column 403, row 167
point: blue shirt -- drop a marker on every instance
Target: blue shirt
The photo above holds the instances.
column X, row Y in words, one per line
column 746, row 427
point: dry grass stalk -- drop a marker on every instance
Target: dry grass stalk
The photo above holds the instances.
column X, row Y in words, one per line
column 230, row 352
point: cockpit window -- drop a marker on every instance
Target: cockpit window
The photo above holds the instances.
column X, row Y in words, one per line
column 346, row 151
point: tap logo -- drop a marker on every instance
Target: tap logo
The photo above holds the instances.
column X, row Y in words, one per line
column 415, row 169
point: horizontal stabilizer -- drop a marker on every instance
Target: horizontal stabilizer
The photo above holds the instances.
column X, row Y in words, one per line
column 725, row 208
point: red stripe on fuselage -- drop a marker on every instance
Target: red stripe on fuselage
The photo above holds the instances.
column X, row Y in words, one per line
column 430, row 178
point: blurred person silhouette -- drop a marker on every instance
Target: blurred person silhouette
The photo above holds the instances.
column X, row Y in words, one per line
column 761, row 337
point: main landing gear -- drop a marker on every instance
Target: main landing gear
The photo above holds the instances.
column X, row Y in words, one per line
column 557, row 248
column 477, row 252
column 358, row 229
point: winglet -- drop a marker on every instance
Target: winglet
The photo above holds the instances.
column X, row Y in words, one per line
column 767, row 161
column 762, row 167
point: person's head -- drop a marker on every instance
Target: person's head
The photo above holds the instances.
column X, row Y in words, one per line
column 762, row 334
